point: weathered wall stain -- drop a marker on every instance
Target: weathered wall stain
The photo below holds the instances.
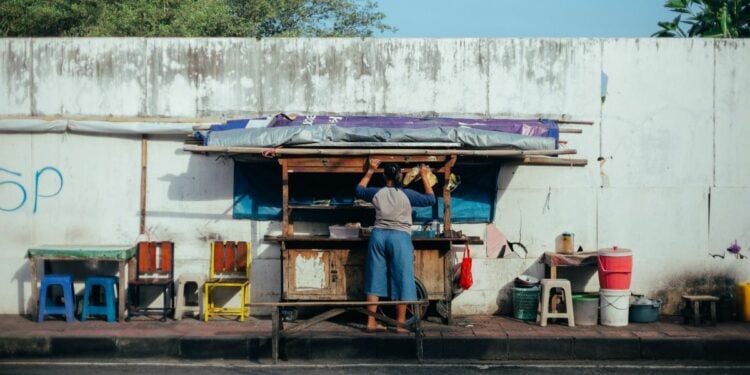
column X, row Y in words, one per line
column 692, row 283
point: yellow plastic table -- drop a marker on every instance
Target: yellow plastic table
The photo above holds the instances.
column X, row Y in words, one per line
column 97, row 253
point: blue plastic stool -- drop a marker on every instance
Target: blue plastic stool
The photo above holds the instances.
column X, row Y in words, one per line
column 64, row 281
column 109, row 309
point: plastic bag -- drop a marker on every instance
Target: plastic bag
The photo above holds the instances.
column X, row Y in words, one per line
column 466, row 279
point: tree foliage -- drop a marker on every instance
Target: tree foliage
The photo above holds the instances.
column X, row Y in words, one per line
column 190, row 18
column 707, row 18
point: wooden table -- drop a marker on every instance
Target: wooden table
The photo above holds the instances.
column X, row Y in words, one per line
column 552, row 260
column 97, row 253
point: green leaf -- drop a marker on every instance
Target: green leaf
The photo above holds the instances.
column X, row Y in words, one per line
column 676, row 4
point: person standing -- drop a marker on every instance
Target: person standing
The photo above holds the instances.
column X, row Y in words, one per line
column 389, row 269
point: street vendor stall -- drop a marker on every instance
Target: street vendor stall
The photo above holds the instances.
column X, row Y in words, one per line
column 314, row 153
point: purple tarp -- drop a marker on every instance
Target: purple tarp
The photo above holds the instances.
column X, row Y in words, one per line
column 538, row 128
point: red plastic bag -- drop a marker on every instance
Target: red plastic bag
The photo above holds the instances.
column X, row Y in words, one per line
column 466, row 280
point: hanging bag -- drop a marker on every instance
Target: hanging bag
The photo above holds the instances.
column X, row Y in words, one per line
column 466, row 280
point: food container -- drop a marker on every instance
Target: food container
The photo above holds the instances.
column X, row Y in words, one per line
column 566, row 243
column 340, row 231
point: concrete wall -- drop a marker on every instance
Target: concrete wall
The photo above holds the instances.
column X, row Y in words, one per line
column 671, row 121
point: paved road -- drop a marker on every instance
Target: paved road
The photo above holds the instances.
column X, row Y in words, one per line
column 232, row 367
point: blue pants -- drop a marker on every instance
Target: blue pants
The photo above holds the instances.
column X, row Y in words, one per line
column 389, row 271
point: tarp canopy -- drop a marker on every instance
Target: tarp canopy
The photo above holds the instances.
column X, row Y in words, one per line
column 332, row 134
column 350, row 131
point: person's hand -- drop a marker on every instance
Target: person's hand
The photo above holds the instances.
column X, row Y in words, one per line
column 424, row 171
column 374, row 163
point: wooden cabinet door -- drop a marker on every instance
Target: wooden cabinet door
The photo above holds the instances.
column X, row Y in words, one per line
column 323, row 274
column 306, row 273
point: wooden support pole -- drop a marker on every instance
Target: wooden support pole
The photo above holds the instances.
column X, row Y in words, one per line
column 447, row 194
column 315, row 320
column 144, row 170
column 418, row 333
column 286, row 225
column 275, row 331
column 34, row 289
column 571, row 131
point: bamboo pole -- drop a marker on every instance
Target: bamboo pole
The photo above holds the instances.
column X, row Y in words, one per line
column 553, row 161
column 571, row 131
column 574, row 122
column 363, row 152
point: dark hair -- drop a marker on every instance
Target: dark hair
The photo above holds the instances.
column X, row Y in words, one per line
column 392, row 172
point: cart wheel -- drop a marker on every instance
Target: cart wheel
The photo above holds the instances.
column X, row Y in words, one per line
column 289, row 314
column 421, row 296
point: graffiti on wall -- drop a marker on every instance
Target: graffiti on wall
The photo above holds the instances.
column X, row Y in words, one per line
column 48, row 182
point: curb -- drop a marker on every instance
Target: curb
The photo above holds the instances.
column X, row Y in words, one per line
column 335, row 348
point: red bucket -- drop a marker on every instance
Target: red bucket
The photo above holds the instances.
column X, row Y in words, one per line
column 615, row 268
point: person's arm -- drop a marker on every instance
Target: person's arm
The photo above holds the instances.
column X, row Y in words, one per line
column 424, row 172
column 417, row 199
column 362, row 191
column 373, row 165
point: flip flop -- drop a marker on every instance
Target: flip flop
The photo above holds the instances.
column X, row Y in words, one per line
column 378, row 328
column 401, row 330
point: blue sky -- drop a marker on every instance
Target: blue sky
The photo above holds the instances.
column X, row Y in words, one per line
column 523, row 18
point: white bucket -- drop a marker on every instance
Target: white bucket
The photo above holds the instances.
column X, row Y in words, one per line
column 614, row 307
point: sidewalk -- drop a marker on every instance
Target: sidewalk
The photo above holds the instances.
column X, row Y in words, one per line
column 471, row 338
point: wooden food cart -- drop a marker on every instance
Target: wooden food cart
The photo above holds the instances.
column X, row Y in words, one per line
column 321, row 268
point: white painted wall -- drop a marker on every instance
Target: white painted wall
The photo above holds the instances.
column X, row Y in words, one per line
column 673, row 132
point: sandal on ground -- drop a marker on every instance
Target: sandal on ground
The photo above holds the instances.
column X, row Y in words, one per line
column 378, row 328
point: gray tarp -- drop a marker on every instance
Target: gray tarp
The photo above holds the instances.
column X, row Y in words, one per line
column 325, row 134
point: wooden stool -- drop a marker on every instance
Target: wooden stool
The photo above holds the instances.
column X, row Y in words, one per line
column 544, row 306
column 181, row 306
column 693, row 308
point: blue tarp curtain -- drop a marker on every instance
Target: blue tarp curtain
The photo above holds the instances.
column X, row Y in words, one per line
column 257, row 194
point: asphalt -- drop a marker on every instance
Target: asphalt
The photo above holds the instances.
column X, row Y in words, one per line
column 471, row 338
